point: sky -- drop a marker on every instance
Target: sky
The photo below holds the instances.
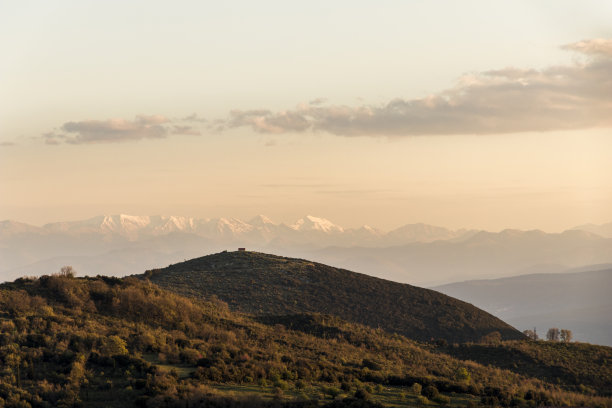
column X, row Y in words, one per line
column 472, row 114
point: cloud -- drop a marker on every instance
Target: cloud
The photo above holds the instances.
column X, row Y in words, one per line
column 194, row 118
column 596, row 46
column 185, row 130
column 509, row 100
column 318, row 101
column 265, row 121
column 117, row 130
column 7, row 144
column 111, row 130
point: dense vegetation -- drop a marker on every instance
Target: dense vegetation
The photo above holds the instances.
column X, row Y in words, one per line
column 70, row 342
column 572, row 364
column 267, row 284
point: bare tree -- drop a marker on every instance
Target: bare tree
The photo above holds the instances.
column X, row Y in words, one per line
column 67, row 271
column 566, row 335
column 531, row 334
column 553, row 334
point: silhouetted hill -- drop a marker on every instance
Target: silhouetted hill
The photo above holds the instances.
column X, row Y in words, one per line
column 265, row 284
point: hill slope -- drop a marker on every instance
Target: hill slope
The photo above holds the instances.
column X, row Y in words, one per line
column 108, row 342
column 267, row 284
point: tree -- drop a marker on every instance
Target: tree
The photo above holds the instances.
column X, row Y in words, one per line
column 566, row 335
column 67, row 271
column 430, row 391
column 462, row 375
column 531, row 334
column 552, row 334
column 114, row 345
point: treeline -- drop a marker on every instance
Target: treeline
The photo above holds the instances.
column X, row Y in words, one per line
column 553, row 334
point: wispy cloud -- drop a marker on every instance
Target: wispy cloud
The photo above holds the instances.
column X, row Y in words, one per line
column 194, row 117
column 185, row 130
column 116, row 130
column 7, row 144
column 499, row 101
column 596, row 46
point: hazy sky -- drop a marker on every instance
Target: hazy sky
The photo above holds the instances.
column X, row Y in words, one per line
column 462, row 114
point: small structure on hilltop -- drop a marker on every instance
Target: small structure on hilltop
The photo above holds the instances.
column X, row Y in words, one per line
column 241, row 249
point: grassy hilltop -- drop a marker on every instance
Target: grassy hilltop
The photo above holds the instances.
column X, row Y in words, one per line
column 266, row 284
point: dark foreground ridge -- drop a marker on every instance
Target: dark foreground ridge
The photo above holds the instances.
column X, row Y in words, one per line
column 264, row 284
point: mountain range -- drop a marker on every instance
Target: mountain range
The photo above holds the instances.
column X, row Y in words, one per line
column 416, row 253
column 259, row 230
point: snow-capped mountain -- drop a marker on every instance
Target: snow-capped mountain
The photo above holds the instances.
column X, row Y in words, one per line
column 123, row 244
column 310, row 223
column 125, row 225
column 260, row 230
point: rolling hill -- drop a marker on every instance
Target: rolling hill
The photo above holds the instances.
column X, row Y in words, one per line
column 109, row 342
column 265, row 284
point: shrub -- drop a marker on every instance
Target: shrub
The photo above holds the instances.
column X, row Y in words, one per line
column 430, row 391
column 442, row 399
column 362, row 394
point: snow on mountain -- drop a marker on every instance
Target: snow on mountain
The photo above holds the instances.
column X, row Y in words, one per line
column 261, row 221
column 124, row 224
column 162, row 224
column 310, row 223
column 261, row 231
column 222, row 227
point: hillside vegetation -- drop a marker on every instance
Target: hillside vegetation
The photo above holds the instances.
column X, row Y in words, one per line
column 108, row 342
column 265, row 284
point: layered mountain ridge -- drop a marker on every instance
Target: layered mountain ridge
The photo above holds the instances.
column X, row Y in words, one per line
column 416, row 253
column 260, row 227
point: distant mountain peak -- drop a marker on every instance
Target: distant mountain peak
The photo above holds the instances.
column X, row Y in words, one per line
column 261, row 220
column 312, row 223
column 604, row 230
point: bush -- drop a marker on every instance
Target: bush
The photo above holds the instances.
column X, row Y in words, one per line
column 283, row 385
column 442, row 399
column 371, row 364
column 362, row 394
column 430, row 391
